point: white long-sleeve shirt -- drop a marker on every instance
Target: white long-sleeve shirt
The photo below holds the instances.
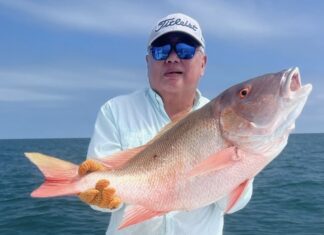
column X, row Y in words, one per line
column 132, row 120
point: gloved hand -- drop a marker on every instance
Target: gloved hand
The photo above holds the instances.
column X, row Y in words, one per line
column 102, row 195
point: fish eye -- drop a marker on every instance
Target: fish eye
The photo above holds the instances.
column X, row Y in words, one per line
column 244, row 92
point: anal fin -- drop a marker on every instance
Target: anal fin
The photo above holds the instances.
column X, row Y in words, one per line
column 136, row 214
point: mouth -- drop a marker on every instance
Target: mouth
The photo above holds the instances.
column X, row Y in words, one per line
column 295, row 95
column 291, row 86
column 173, row 73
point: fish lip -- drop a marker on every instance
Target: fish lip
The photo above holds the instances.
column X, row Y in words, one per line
column 291, row 86
column 290, row 82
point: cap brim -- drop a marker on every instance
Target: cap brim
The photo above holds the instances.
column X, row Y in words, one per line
column 177, row 31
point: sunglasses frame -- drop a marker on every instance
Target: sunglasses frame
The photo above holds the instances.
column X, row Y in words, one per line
column 174, row 47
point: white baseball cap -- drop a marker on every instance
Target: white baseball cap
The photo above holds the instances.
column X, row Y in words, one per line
column 177, row 22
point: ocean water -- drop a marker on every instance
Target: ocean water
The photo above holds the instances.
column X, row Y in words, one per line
column 288, row 195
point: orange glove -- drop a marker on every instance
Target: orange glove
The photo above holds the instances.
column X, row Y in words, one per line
column 102, row 195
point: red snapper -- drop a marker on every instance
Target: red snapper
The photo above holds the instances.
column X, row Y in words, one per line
column 212, row 152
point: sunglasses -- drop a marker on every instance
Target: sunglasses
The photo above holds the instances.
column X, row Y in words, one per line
column 183, row 50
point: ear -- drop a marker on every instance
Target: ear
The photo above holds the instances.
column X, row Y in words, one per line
column 147, row 62
column 203, row 65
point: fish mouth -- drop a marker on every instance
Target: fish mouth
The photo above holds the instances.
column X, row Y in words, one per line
column 294, row 96
column 291, row 86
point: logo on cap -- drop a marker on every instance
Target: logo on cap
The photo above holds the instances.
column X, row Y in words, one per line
column 172, row 21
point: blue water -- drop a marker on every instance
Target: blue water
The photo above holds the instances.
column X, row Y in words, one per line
column 288, row 195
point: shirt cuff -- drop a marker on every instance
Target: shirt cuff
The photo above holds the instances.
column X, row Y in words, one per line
column 97, row 208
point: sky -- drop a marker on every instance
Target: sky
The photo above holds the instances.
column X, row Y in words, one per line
column 61, row 60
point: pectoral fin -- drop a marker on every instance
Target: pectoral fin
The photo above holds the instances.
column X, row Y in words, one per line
column 217, row 161
column 137, row 214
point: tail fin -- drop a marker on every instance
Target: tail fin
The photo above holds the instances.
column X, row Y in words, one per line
column 60, row 176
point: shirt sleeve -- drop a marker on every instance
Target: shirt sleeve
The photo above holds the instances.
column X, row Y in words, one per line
column 105, row 140
column 241, row 203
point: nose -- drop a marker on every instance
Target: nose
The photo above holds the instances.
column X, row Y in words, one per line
column 173, row 57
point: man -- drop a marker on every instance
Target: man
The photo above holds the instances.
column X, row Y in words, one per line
column 176, row 61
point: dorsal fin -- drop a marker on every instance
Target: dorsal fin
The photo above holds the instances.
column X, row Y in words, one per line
column 118, row 160
column 174, row 121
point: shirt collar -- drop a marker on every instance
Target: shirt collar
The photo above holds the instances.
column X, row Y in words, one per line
column 158, row 102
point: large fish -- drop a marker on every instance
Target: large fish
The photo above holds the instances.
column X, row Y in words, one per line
column 210, row 153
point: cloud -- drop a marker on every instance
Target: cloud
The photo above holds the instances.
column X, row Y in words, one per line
column 100, row 16
column 18, row 95
column 249, row 19
column 73, row 78
column 224, row 19
column 50, row 83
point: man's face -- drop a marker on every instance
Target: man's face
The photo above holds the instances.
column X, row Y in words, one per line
column 175, row 75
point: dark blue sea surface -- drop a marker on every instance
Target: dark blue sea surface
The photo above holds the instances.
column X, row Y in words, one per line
column 288, row 195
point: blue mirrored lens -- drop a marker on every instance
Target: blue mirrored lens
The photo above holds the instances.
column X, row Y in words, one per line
column 183, row 50
column 161, row 53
